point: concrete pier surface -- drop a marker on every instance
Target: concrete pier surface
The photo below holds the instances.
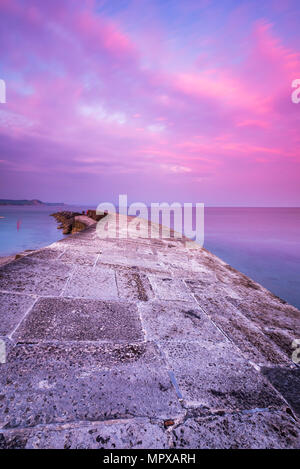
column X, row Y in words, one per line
column 143, row 343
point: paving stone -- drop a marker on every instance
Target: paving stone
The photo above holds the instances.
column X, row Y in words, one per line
column 132, row 285
column 28, row 275
column 177, row 321
column 47, row 383
column 216, row 376
column 112, row 350
column 167, row 288
column 136, row 244
column 244, row 332
column 12, row 309
column 88, row 282
column 275, row 314
column 132, row 259
column 258, row 430
column 78, row 242
column 122, row 434
column 89, row 250
column 79, row 258
column 287, row 382
column 251, row 340
column 145, row 250
column 64, row 319
column 210, row 294
column 282, row 338
column 175, row 259
column 46, row 254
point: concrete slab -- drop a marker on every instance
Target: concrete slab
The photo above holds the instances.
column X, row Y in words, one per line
column 215, row 376
column 64, row 319
column 12, row 309
column 282, row 338
column 168, row 288
column 132, row 259
column 275, row 314
column 175, row 259
column 87, row 282
column 79, row 258
column 121, row 434
column 47, row 253
column 258, row 430
column 44, row 383
column 132, row 285
column 287, row 382
column 256, row 345
column 155, row 331
column 251, row 340
column 177, row 321
column 28, row 275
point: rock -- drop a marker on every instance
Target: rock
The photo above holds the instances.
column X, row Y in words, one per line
column 69, row 223
column 66, row 221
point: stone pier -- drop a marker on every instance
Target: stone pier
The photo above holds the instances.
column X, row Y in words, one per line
column 143, row 343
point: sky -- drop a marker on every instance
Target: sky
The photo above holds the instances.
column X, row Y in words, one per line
column 162, row 100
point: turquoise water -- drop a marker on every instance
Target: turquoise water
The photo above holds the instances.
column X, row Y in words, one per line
column 263, row 243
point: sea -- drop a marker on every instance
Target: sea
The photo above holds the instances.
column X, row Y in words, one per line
column 263, row 243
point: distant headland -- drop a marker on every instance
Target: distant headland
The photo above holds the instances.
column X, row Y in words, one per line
column 28, row 202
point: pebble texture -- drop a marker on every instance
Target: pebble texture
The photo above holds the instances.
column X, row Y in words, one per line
column 143, row 343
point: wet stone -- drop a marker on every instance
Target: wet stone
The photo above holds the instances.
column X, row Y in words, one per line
column 44, row 383
column 64, row 319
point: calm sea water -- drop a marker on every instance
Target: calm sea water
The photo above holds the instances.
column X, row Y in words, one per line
column 29, row 227
column 263, row 243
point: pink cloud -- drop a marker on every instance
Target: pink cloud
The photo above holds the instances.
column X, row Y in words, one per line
column 89, row 87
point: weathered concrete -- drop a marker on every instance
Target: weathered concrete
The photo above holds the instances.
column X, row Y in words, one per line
column 64, row 319
column 57, row 383
column 137, row 433
column 239, row 430
column 109, row 338
column 12, row 309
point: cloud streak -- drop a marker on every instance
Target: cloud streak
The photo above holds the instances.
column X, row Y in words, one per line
column 157, row 101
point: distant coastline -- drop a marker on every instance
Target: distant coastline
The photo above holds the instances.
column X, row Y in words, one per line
column 29, row 202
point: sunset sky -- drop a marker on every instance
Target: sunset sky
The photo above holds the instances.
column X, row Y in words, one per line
column 163, row 100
